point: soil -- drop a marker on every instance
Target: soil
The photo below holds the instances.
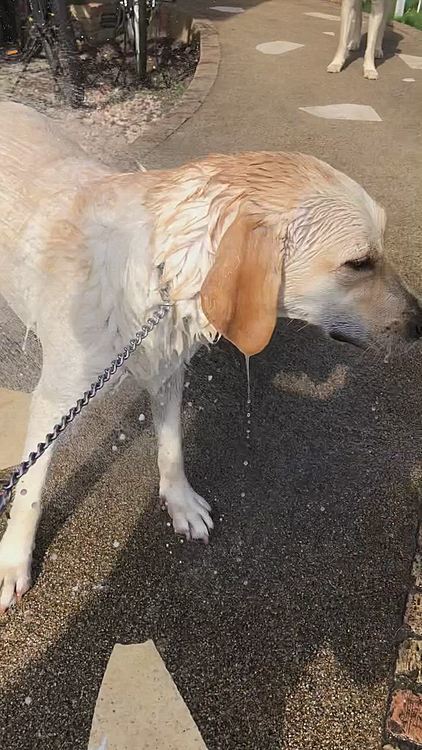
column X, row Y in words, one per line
column 116, row 107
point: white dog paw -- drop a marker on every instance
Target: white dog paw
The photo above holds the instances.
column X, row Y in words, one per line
column 15, row 574
column 370, row 73
column 379, row 54
column 189, row 511
column 334, row 67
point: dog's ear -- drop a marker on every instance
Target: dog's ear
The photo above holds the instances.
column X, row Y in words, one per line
column 240, row 293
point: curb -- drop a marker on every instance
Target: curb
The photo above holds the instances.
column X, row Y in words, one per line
column 194, row 96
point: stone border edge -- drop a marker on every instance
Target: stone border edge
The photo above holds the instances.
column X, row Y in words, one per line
column 403, row 725
column 194, row 96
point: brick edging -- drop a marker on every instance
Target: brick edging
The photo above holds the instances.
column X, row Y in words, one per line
column 195, row 94
column 403, row 726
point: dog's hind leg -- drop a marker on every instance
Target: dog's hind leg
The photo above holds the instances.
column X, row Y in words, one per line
column 347, row 24
column 356, row 29
column 388, row 6
column 190, row 513
column 374, row 28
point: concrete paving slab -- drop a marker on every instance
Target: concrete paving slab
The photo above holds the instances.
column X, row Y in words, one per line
column 139, row 706
column 14, row 414
column 361, row 112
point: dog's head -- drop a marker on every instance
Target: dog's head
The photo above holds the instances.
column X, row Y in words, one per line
column 317, row 256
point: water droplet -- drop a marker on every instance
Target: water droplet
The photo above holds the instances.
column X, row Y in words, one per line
column 114, row 448
column 116, row 544
column 209, row 378
column 245, row 463
column 122, row 437
column 247, row 360
column 23, row 492
column 141, row 417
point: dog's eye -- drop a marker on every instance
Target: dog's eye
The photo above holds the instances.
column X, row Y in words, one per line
column 360, row 264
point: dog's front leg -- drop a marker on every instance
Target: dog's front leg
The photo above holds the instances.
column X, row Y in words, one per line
column 189, row 512
column 18, row 540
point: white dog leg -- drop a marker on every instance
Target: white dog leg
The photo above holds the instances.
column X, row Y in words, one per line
column 18, row 541
column 374, row 27
column 388, row 5
column 189, row 511
column 356, row 31
column 347, row 24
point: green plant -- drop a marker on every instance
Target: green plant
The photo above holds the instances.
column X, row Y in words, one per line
column 412, row 18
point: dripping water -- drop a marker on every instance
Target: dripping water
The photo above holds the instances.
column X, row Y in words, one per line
column 248, row 399
column 248, row 378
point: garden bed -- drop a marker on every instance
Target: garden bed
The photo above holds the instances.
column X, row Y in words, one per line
column 116, row 107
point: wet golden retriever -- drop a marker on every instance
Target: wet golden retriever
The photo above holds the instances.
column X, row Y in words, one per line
column 236, row 241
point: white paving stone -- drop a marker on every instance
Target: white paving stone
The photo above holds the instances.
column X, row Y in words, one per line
column 139, row 705
column 325, row 16
column 412, row 61
column 277, row 48
column 227, row 9
column 344, row 112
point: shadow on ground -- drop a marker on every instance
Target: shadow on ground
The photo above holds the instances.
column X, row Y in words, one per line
column 391, row 47
column 317, row 552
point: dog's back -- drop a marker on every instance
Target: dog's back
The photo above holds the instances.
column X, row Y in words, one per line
column 41, row 170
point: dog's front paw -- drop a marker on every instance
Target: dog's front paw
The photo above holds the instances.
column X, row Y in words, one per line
column 370, row 73
column 379, row 54
column 335, row 67
column 189, row 511
column 15, row 572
